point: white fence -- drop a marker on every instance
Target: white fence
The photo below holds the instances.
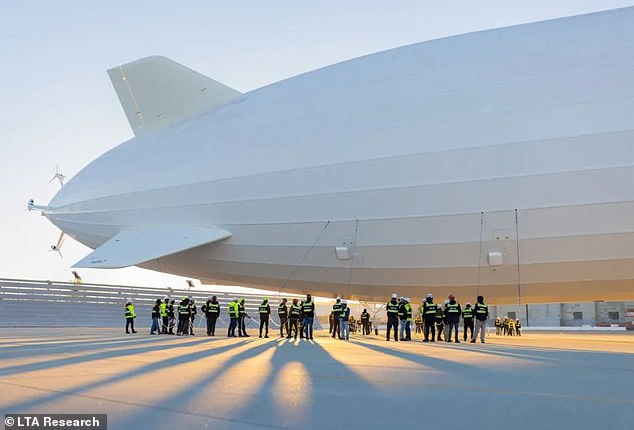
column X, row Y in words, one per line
column 30, row 303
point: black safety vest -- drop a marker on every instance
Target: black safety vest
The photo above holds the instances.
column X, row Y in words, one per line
column 264, row 308
column 336, row 308
column 183, row 309
column 467, row 313
column 392, row 308
column 296, row 310
column 453, row 309
column 481, row 308
column 212, row 308
column 282, row 310
column 429, row 309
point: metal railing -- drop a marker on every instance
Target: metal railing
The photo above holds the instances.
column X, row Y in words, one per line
column 32, row 303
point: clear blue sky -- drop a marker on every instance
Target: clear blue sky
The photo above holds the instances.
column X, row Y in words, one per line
column 58, row 106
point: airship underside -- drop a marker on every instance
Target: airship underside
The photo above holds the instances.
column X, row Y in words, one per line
column 499, row 162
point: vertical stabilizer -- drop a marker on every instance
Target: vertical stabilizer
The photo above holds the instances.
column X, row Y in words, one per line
column 156, row 92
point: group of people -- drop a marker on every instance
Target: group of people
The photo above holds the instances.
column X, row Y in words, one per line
column 508, row 327
column 340, row 315
column 299, row 317
column 436, row 320
column 164, row 314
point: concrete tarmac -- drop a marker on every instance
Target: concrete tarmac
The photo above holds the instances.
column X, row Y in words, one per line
column 537, row 381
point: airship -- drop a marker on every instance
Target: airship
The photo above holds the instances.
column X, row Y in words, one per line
column 499, row 163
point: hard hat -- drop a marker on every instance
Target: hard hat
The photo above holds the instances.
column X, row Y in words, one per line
column 468, row 304
column 344, row 301
column 394, row 295
column 166, row 298
column 266, row 298
column 451, row 297
column 295, row 300
column 338, row 298
column 446, row 301
column 429, row 296
column 209, row 298
column 235, row 300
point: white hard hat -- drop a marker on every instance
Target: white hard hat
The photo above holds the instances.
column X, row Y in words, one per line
column 468, row 304
column 429, row 296
column 344, row 301
column 446, row 301
column 394, row 296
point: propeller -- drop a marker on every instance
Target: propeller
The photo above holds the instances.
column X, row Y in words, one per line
column 57, row 247
column 58, row 175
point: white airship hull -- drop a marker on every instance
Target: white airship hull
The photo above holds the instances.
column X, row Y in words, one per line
column 412, row 161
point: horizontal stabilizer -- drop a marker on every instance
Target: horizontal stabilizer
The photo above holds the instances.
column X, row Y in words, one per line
column 156, row 92
column 140, row 244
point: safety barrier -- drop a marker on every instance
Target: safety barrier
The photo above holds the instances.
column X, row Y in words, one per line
column 35, row 303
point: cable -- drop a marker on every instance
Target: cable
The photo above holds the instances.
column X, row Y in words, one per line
column 480, row 251
column 304, row 258
column 517, row 246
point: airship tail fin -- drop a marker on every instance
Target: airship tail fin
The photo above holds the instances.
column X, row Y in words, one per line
column 144, row 243
column 156, row 92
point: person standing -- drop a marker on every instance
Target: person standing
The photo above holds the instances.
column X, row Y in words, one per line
column 300, row 322
column 429, row 316
column 498, row 326
column 518, row 327
column 164, row 315
column 265, row 312
column 156, row 312
column 295, row 314
column 344, row 316
column 282, row 313
column 242, row 316
column 481, row 311
column 192, row 315
column 402, row 318
column 183, row 317
column 129, row 317
column 452, row 314
column 234, row 312
column 467, row 319
column 408, row 322
column 309, row 316
column 211, row 309
column 336, row 321
column 171, row 314
column 392, row 308
column 440, row 323
column 365, row 322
